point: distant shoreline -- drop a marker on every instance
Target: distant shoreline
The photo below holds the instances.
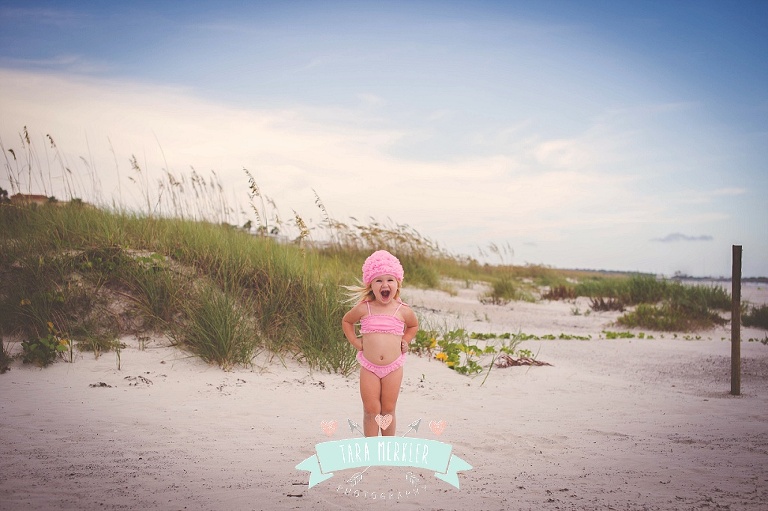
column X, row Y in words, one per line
column 758, row 280
column 751, row 280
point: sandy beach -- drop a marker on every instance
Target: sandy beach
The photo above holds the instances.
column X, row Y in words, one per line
column 629, row 424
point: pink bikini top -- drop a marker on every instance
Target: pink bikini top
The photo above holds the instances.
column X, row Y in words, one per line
column 382, row 323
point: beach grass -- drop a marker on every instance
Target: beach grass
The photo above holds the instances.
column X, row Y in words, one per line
column 756, row 316
column 660, row 304
column 226, row 294
column 5, row 356
column 179, row 266
column 220, row 292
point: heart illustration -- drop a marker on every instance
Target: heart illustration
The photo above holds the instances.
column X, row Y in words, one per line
column 329, row 427
column 437, row 427
column 384, row 420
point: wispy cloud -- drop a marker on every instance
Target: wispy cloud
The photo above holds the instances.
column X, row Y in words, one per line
column 555, row 197
column 63, row 62
column 707, row 196
column 677, row 236
column 55, row 17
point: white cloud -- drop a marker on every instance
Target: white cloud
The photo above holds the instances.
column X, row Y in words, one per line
column 565, row 154
column 707, row 196
column 526, row 188
column 55, row 17
column 291, row 152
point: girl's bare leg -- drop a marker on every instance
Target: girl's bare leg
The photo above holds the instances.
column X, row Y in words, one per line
column 370, row 391
column 390, row 390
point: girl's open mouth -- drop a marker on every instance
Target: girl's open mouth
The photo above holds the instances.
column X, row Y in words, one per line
column 385, row 294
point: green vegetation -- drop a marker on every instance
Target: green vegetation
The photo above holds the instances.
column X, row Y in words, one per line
column 670, row 316
column 659, row 304
column 217, row 291
column 460, row 350
column 75, row 275
column 226, row 295
column 5, row 357
column 756, row 317
column 506, row 289
column 42, row 351
column 647, row 289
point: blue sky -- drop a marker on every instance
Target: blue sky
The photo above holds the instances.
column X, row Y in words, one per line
column 605, row 135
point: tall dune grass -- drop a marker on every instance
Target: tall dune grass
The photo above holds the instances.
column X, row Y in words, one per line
column 648, row 289
column 181, row 265
column 221, row 292
column 661, row 304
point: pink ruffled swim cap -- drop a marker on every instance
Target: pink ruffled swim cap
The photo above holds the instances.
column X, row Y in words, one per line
column 379, row 263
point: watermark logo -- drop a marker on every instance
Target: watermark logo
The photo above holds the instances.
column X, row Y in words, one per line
column 383, row 451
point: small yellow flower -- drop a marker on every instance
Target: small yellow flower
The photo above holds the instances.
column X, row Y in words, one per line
column 432, row 343
column 441, row 356
column 450, row 363
column 50, row 326
column 25, row 301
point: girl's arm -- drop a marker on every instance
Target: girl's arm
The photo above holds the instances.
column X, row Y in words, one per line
column 411, row 327
column 348, row 326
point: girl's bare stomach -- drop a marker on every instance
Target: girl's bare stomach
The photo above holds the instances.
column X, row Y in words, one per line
column 381, row 349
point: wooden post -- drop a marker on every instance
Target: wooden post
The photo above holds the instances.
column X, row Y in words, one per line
column 736, row 322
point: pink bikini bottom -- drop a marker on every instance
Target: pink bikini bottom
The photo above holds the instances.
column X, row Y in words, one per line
column 380, row 371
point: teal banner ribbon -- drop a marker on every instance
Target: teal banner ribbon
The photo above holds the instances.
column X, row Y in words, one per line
column 391, row 451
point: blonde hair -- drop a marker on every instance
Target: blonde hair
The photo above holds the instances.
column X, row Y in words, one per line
column 361, row 293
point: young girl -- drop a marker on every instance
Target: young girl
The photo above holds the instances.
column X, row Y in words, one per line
column 387, row 326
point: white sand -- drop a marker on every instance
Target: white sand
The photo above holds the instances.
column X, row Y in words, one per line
column 613, row 424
